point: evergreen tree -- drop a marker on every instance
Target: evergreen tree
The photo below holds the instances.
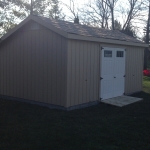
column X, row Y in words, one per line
column 117, row 25
column 55, row 11
column 129, row 31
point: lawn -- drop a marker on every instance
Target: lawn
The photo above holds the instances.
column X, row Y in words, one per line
column 102, row 127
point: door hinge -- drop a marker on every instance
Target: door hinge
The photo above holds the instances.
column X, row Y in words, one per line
column 101, row 78
column 124, row 76
column 102, row 48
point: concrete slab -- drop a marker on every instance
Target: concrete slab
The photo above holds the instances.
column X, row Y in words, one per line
column 121, row 100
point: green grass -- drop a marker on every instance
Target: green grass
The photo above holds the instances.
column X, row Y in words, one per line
column 102, row 127
column 146, row 84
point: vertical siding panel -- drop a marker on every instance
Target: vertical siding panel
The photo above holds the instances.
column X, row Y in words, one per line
column 50, row 57
column 77, row 73
column 128, row 70
column 64, row 71
column 58, row 70
column 133, row 67
column 32, row 65
column 2, row 81
column 20, row 60
column 41, row 68
column 81, row 73
column 21, row 68
column 88, row 72
column 29, row 67
column 69, row 53
column 44, row 65
column 1, row 72
column 5, row 69
column 73, row 75
column 54, row 71
column 7, row 74
column 136, row 69
column 4, row 66
column 45, row 78
column 85, row 73
column 95, row 72
column 17, row 67
column 92, row 71
column 35, row 65
column 25, row 66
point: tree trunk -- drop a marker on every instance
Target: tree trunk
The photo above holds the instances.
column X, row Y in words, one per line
column 31, row 8
column 147, row 40
column 112, row 16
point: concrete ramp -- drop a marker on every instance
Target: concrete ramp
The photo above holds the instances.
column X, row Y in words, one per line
column 121, row 101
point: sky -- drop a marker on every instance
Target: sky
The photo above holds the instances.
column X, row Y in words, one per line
column 78, row 4
column 117, row 15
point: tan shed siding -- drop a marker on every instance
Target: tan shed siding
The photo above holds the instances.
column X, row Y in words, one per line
column 82, row 72
column 134, row 67
column 33, row 66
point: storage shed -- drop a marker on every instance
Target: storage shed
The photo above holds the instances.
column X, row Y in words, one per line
column 66, row 65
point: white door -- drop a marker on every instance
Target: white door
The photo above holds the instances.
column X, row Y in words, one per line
column 112, row 72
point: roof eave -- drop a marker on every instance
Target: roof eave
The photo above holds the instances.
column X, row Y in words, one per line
column 15, row 28
column 104, row 40
column 36, row 20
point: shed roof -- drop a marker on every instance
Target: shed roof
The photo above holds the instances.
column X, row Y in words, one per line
column 84, row 30
column 80, row 32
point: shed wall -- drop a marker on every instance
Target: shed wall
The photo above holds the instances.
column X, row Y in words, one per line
column 83, row 69
column 133, row 67
column 33, row 66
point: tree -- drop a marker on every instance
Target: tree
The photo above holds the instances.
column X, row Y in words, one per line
column 74, row 11
column 117, row 25
column 16, row 10
column 111, row 5
column 96, row 13
column 9, row 16
column 129, row 31
column 55, row 11
column 132, row 13
column 147, row 39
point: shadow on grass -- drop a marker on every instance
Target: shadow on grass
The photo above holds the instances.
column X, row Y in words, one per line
column 142, row 94
column 25, row 126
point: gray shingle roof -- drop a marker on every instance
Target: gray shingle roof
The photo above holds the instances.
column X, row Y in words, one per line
column 85, row 30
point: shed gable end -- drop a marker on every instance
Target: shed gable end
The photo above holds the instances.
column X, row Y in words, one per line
column 33, row 66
